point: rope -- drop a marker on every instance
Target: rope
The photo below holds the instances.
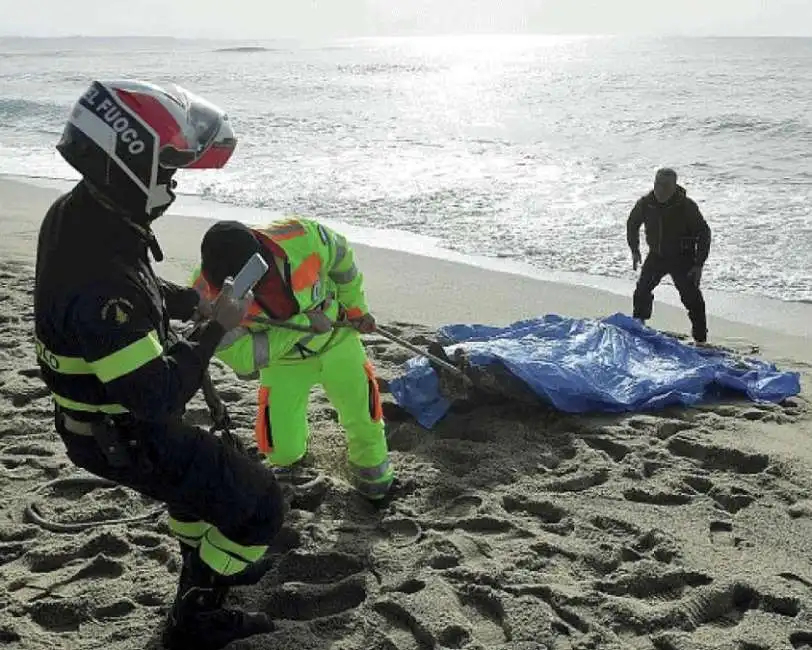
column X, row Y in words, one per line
column 34, row 514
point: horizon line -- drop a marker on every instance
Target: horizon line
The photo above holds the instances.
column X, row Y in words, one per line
column 394, row 36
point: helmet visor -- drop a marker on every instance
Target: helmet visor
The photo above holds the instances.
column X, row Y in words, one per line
column 209, row 138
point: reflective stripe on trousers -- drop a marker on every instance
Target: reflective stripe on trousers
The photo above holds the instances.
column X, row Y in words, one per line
column 349, row 382
column 216, row 550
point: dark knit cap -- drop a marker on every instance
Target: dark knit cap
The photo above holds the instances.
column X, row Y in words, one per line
column 225, row 249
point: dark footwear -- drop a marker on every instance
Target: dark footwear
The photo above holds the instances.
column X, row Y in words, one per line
column 198, row 620
column 213, row 629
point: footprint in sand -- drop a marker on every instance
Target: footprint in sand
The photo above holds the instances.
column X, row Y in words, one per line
column 402, row 531
column 108, row 543
column 713, row 457
column 732, row 498
column 483, row 608
column 299, row 601
column 721, row 533
column 400, row 630
column 470, row 614
column 318, row 568
column 464, row 505
column 660, row 427
column 617, row 451
column 659, row 497
column 801, row 509
column 579, row 481
column 550, row 516
column 15, row 541
column 727, row 603
column 647, row 580
column 22, row 391
column 95, row 568
column 801, row 640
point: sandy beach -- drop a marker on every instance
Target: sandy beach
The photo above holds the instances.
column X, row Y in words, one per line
column 513, row 528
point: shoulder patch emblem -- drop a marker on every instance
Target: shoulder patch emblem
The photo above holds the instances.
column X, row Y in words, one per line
column 117, row 310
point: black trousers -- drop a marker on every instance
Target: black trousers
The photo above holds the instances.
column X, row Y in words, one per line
column 195, row 474
column 655, row 268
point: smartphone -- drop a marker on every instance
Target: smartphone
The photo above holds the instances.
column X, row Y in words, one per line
column 249, row 275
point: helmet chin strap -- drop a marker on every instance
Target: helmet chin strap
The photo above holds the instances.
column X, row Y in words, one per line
column 149, row 237
column 163, row 197
column 135, row 221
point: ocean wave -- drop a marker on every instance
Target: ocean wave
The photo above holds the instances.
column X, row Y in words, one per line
column 48, row 116
column 246, row 49
column 36, row 54
column 361, row 69
column 727, row 123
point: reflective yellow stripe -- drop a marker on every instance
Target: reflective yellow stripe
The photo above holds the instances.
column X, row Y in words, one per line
column 60, row 364
column 227, row 557
column 129, row 359
column 64, row 402
column 188, row 532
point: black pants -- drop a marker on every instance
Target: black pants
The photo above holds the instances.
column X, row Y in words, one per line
column 195, row 474
column 655, row 268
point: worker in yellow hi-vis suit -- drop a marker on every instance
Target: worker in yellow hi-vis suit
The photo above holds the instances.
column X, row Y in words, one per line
column 312, row 282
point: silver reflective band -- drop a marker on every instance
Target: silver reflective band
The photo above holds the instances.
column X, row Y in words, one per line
column 232, row 336
column 262, row 354
column 371, row 473
column 341, row 249
column 305, row 340
column 344, row 277
column 373, row 490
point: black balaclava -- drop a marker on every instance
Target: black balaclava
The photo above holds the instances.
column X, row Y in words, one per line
column 225, row 249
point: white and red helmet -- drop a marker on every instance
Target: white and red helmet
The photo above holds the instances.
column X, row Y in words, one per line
column 127, row 138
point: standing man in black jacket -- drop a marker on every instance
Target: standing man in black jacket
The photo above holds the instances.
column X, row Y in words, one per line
column 678, row 239
column 118, row 379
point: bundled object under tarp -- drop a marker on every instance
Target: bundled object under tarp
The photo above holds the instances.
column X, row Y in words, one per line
column 582, row 365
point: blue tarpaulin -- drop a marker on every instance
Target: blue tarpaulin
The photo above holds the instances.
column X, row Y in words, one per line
column 610, row 365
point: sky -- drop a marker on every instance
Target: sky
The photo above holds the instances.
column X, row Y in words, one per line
column 318, row 19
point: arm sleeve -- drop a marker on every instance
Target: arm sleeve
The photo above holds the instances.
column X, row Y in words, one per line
column 702, row 231
column 633, row 224
column 115, row 329
column 345, row 273
column 247, row 351
column 180, row 301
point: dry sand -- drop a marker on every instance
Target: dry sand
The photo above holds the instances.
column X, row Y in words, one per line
column 513, row 528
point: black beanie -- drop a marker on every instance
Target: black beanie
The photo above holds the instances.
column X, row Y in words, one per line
column 225, row 249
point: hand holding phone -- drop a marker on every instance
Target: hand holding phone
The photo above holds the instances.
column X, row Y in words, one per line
column 249, row 275
column 232, row 304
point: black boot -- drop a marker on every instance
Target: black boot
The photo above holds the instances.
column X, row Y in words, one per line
column 198, row 620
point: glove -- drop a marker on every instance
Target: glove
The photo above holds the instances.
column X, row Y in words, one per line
column 204, row 309
column 229, row 310
column 636, row 260
column 695, row 273
column 365, row 324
